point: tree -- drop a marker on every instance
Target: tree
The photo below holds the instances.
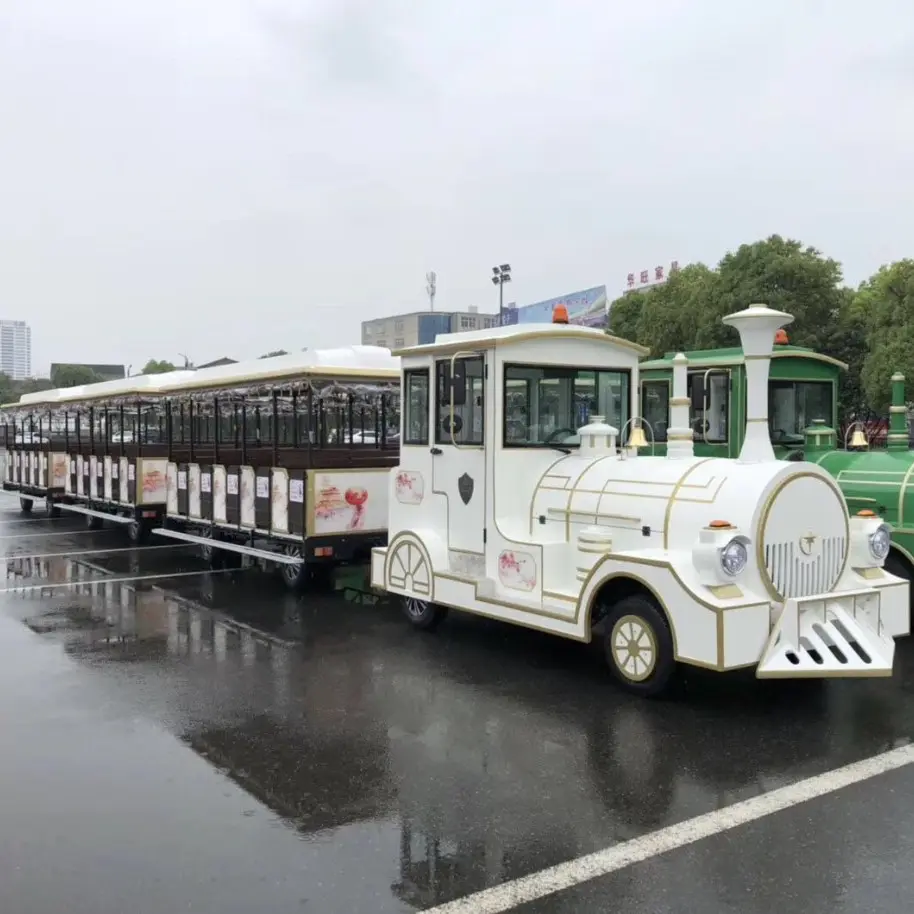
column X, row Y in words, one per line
column 685, row 312
column 74, row 376
column 786, row 276
column 884, row 309
column 273, row 353
column 33, row 385
column 672, row 316
column 8, row 389
column 155, row 366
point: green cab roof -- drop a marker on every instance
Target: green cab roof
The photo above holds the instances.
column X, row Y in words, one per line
column 733, row 355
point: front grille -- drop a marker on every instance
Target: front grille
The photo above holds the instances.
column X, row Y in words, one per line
column 793, row 574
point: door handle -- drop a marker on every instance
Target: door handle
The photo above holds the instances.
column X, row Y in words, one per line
column 435, row 451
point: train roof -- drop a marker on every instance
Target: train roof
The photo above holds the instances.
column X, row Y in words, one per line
column 346, row 363
column 119, row 387
column 517, row 333
column 366, row 363
column 733, row 355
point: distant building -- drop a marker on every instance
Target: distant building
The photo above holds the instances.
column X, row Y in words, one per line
column 16, row 349
column 420, row 327
column 104, row 372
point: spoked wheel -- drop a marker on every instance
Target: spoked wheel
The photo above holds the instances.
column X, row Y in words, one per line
column 137, row 532
column 26, row 505
column 422, row 614
column 639, row 646
column 294, row 576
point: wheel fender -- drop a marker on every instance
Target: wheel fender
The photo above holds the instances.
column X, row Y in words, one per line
column 429, row 543
column 657, row 580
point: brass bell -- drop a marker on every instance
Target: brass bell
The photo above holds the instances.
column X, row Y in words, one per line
column 858, row 439
column 637, row 439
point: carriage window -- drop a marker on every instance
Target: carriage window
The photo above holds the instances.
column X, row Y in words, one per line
column 468, row 396
column 546, row 405
column 655, row 408
column 792, row 405
column 415, row 419
column 709, row 392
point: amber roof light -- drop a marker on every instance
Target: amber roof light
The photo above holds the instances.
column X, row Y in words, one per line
column 720, row 525
column 866, row 513
column 559, row 314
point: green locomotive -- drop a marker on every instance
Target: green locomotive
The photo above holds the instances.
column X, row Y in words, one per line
column 803, row 386
column 879, row 480
column 803, row 418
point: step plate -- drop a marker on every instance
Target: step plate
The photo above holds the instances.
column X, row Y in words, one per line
column 826, row 643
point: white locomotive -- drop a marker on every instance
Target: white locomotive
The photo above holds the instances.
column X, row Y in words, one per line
column 502, row 505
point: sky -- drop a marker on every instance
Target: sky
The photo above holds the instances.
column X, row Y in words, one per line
column 228, row 177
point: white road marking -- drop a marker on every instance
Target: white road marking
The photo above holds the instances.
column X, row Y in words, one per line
column 114, row 580
column 22, row 536
column 574, row 872
column 68, row 555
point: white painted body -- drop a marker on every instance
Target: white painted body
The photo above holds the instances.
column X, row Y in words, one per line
column 543, row 533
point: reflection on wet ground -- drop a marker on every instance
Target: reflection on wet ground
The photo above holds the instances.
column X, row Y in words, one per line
column 395, row 770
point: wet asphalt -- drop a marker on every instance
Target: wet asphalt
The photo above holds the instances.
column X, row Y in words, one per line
column 209, row 743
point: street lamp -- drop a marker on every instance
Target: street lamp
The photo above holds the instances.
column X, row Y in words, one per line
column 501, row 275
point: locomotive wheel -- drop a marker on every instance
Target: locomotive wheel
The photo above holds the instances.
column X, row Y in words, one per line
column 50, row 508
column 25, row 505
column 93, row 523
column 422, row 614
column 639, row 646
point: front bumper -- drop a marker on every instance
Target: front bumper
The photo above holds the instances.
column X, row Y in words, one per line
column 833, row 635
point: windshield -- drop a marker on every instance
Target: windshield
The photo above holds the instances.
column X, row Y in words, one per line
column 792, row 406
column 546, row 405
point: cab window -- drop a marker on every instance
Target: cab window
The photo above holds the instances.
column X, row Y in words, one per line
column 792, row 405
column 462, row 389
column 655, row 408
column 709, row 392
column 415, row 416
column 546, row 405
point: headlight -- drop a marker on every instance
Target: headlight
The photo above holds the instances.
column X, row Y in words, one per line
column 733, row 557
column 880, row 541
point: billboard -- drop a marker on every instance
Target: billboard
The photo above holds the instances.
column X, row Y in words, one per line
column 587, row 308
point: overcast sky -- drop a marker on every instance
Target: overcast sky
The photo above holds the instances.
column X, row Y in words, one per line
column 225, row 177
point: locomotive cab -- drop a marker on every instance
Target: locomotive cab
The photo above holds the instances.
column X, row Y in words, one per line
column 526, row 492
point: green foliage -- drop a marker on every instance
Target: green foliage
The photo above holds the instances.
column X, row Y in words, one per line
column 884, row 308
column 73, row 376
column 156, row 366
column 685, row 312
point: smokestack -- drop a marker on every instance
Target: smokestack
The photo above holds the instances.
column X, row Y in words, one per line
column 756, row 326
column 679, row 434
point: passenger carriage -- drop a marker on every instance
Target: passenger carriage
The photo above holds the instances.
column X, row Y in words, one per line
column 285, row 459
column 521, row 495
column 101, row 447
column 33, row 461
